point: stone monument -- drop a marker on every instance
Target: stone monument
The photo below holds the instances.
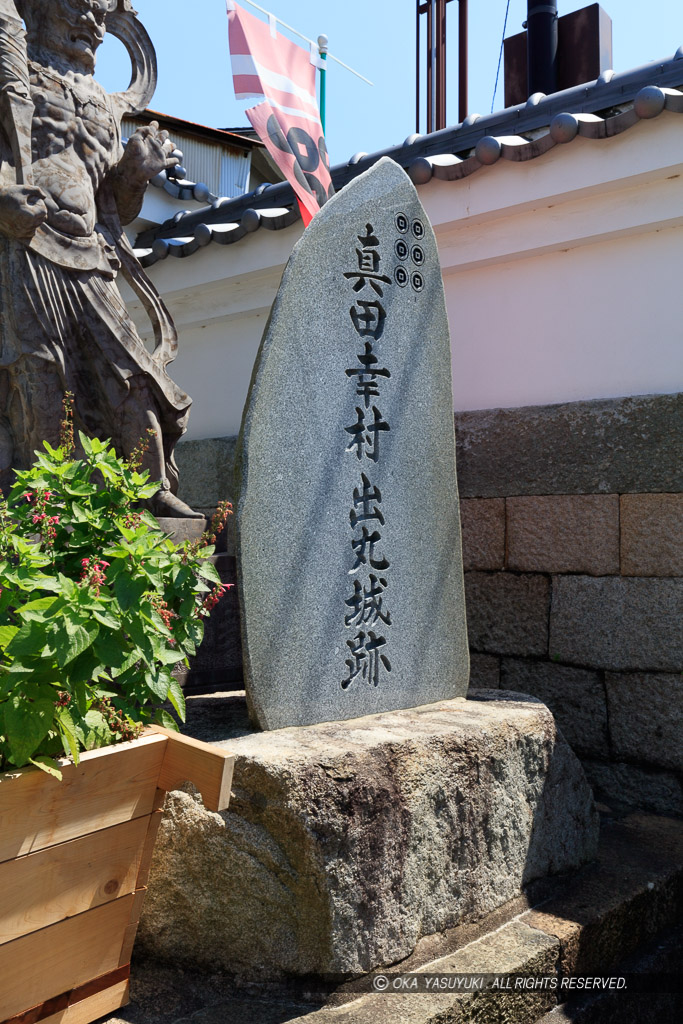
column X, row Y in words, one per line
column 350, row 567
column 66, row 187
column 385, row 808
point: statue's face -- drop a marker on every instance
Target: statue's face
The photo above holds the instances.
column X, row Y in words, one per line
column 72, row 28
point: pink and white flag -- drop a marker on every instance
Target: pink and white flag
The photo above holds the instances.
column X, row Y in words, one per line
column 269, row 66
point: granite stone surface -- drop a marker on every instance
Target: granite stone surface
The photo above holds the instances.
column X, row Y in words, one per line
column 630, row 787
column 484, row 671
column 590, row 921
column 575, row 696
column 347, row 842
column 617, row 623
column 507, row 613
column 349, row 554
column 206, row 470
column 564, row 533
column 646, row 717
column 605, row 446
column 632, row 893
column 621, row 445
column 652, row 534
column 483, row 533
column 515, row 949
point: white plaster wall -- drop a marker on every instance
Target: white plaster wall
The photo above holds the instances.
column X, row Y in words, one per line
column 220, row 299
column 561, row 274
column 214, row 367
column 598, row 321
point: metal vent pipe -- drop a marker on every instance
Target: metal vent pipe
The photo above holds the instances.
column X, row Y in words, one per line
column 542, row 46
column 463, row 60
column 433, row 63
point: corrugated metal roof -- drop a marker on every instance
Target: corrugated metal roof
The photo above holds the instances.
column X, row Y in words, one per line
column 598, row 110
column 217, row 166
column 241, row 138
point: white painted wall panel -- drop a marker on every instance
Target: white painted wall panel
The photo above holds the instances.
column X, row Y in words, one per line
column 214, row 366
column 599, row 321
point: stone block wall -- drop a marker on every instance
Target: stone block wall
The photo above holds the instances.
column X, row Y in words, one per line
column 572, row 519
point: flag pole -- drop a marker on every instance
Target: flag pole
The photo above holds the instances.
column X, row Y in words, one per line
column 307, row 40
column 322, row 50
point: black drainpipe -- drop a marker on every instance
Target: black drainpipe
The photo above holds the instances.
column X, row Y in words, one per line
column 542, row 46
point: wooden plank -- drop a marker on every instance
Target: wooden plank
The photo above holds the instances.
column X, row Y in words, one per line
column 159, row 800
column 148, row 847
column 131, row 930
column 92, row 1008
column 55, row 1009
column 62, row 957
column 109, row 786
column 62, row 881
column 207, row 767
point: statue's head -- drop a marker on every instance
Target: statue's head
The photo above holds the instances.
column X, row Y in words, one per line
column 73, row 29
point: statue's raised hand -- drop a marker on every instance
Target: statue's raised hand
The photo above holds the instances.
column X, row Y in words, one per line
column 22, row 210
column 148, row 152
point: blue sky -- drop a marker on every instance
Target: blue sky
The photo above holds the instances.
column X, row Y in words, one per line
column 377, row 37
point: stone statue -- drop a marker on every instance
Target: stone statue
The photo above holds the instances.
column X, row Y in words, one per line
column 66, row 187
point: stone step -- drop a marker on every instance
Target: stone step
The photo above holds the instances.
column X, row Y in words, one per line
column 590, row 923
column 662, row 959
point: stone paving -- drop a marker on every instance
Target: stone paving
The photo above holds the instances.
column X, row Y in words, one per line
column 621, row 912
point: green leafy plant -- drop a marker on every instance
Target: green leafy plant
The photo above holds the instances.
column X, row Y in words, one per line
column 97, row 604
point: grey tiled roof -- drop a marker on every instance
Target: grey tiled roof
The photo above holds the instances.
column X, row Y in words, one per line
column 597, row 110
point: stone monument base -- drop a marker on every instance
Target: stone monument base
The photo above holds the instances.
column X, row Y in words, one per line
column 347, row 842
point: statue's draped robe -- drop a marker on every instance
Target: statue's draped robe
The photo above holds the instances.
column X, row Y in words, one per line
column 64, row 326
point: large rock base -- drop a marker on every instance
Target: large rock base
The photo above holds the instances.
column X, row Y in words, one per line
column 347, row 842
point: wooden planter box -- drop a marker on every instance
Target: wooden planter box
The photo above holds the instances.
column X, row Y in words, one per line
column 74, row 861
